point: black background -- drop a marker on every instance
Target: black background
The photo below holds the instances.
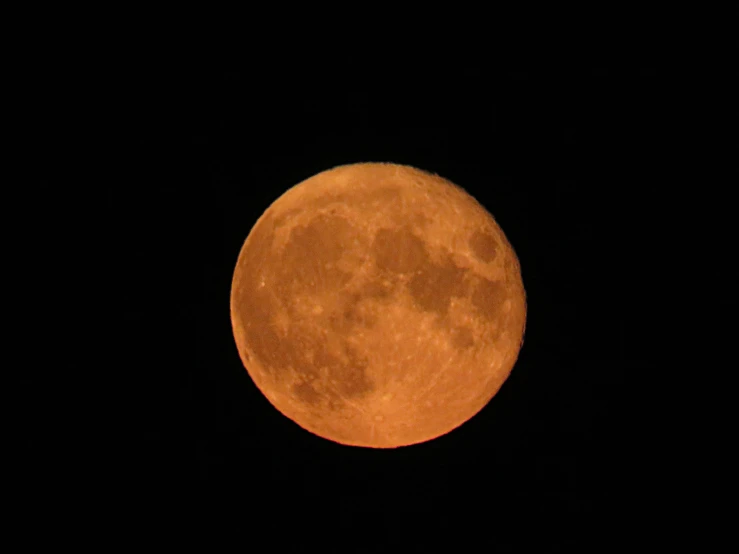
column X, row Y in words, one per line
column 577, row 161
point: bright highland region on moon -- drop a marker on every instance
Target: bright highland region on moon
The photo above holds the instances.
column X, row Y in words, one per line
column 378, row 305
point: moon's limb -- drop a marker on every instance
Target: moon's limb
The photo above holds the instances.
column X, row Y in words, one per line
column 377, row 305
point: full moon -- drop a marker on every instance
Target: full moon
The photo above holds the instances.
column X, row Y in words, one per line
column 378, row 305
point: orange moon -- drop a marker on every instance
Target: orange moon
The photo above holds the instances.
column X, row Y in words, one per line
column 378, row 305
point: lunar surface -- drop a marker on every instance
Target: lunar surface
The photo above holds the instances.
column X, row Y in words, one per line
column 378, row 305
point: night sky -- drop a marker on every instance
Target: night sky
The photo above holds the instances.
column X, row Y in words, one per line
column 569, row 159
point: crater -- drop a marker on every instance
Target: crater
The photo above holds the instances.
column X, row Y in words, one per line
column 323, row 359
column 378, row 289
column 379, row 197
column 306, row 393
column 488, row 297
column 351, row 379
column 362, row 314
column 309, row 258
column 283, row 216
column 316, row 361
column 399, row 250
column 265, row 343
column 354, row 312
column 433, row 287
column 419, row 220
column 483, row 246
column 300, row 348
column 462, row 338
column 370, row 198
column 253, row 303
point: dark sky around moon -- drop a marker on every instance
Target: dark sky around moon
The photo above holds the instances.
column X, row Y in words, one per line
column 569, row 160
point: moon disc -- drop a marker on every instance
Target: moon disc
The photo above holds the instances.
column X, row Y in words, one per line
column 378, row 305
